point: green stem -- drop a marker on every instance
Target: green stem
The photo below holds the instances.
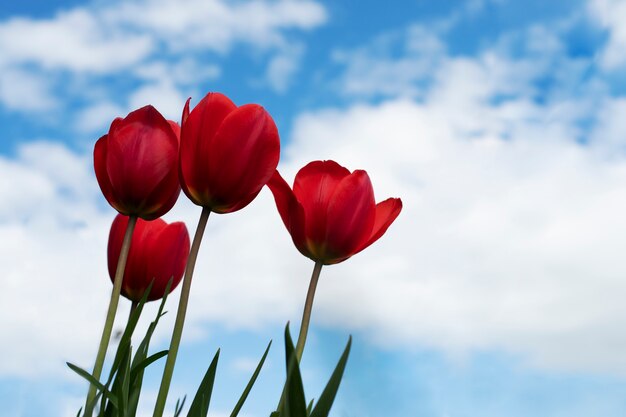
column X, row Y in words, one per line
column 180, row 316
column 108, row 324
column 133, row 307
column 306, row 319
column 308, row 307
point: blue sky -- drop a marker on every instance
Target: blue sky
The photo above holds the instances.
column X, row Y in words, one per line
column 498, row 291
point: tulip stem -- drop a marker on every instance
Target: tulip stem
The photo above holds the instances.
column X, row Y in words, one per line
column 306, row 319
column 108, row 324
column 133, row 307
column 180, row 315
column 308, row 307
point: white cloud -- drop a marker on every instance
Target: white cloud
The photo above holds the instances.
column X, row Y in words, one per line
column 372, row 70
column 610, row 14
column 122, row 38
column 186, row 72
column 98, row 117
column 217, row 24
column 76, row 40
column 283, row 66
column 51, row 244
column 25, row 90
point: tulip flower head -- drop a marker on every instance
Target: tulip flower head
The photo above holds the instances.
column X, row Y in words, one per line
column 227, row 153
column 136, row 164
column 331, row 213
column 158, row 253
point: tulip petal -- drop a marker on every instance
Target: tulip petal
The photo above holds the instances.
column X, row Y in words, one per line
column 158, row 252
column 168, row 249
column 244, row 155
column 386, row 213
column 175, row 128
column 142, row 149
column 314, row 186
column 198, row 129
column 290, row 210
column 351, row 216
column 162, row 198
column 116, row 236
column 134, row 283
column 99, row 163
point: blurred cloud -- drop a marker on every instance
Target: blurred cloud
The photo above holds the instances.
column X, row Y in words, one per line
column 162, row 44
column 610, row 14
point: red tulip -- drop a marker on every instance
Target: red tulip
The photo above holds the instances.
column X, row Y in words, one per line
column 158, row 253
column 227, row 153
column 136, row 164
column 331, row 213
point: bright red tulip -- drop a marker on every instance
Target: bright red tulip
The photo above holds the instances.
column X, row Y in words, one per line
column 227, row 153
column 331, row 213
column 158, row 252
column 136, row 164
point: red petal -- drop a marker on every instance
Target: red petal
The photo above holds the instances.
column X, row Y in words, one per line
column 244, row 155
column 386, row 212
column 351, row 215
column 185, row 115
column 291, row 211
column 314, row 186
column 116, row 236
column 134, row 284
column 175, row 128
column 198, row 129
column 99, row 163
column 142, row 152
column 158, row 251
column 168, row 251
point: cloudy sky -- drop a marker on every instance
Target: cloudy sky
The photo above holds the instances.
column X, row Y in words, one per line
column 500, row 289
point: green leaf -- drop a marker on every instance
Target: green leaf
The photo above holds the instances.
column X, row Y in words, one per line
column 149, row 360
column 309, row 408
column 294, row 404
column 179, row 406
column 325, row 402
column 125, row 340
column 142, row 350
column 140, row 361
column 200, row 404
column 93, row 381
column 246, row 391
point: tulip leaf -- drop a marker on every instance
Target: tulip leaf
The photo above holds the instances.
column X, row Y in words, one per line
column 140, row 361
column 322, row 408
column 179, row 406
column 125, row 340
column 104, row 390
column 309, row 408
column 246, row 391
column 294, row 404
column 200, row 404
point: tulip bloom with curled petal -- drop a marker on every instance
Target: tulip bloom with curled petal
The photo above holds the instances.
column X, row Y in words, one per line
column 331, row 213
column 227, row 153
column 158, row 253
column 136, row 164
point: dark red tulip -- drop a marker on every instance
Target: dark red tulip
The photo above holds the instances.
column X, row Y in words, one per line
column 158, row 251
column 227, row 153
column 331, row 213
column 136, row 164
